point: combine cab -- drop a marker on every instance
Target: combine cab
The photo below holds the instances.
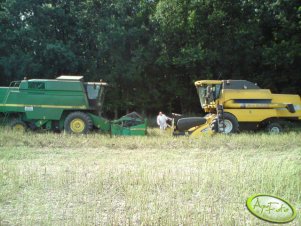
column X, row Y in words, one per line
column 236, row 105
column 65, row 103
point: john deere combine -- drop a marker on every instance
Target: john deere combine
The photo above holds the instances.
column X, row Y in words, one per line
column 235, row 105
column 65, row 103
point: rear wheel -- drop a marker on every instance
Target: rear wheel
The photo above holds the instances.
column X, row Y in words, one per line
column 274, row 127
column 78, row 123
column 228, row 124
column 18, row 125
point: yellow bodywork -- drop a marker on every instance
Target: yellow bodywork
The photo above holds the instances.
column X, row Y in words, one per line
column 239, row 104
column 197, row 130
column 205, row 128
column 257, row 112
column 206, row 82
column 232, row 101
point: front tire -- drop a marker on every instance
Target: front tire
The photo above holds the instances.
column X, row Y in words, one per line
column 228, row 124
column 78, row 123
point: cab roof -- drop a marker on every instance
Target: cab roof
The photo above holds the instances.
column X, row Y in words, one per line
column 70, row 77
column 207, row 82
column 229, row 84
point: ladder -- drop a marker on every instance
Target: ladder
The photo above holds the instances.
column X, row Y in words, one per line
column 220, row 118
column 6, row 114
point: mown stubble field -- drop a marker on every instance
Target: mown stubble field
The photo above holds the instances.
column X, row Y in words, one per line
column 60, row 179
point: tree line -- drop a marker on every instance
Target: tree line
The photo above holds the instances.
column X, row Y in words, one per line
column 151, row 51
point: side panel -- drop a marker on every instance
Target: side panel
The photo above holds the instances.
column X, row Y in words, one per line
column 258, row 105
column 49, row 98
column 245, row 94
column 295, row 100
column 43, row 103
column 258, row 115
column 255, row 115
column 33, row 112
column 3, row 94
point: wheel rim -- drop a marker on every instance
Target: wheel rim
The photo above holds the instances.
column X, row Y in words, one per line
column 77, row 125
column 19, row 128
column 275, row 129
column 226, row 126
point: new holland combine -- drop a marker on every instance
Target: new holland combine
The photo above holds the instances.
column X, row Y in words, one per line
column 65, row 103
column 236, row 105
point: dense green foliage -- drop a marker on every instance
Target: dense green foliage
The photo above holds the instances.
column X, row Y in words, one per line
column 151, row 51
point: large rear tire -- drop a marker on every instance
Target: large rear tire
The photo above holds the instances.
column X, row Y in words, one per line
column 228, row 124
column 18, row 125
column 78, row 123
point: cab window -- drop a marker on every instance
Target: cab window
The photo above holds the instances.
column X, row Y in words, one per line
column 36, row 85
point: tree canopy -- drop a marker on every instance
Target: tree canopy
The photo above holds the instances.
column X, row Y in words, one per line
column 151, row 51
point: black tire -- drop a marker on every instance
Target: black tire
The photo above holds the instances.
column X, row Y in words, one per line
column 228, row 124
column 18, row 125
column 78, row 123
column 274, row 127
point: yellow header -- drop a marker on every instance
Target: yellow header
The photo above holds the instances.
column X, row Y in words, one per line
column 207, row 82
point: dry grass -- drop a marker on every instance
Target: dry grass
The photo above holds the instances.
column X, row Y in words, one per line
column 58, row 179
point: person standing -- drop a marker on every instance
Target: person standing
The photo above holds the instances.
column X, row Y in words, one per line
column 162, row 120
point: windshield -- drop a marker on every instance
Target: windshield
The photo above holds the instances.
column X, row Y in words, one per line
column 95, row 93
column 208, row 93
column 202, row 93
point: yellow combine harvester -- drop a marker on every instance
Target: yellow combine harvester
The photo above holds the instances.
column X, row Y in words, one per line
column 236, row 105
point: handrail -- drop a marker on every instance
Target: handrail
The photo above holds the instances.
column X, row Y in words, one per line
column 14, row 84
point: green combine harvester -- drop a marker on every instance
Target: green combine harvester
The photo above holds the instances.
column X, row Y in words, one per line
column 65, row 103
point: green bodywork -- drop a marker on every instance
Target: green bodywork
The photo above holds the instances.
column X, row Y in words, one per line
column 45, row 103
column 130, row 124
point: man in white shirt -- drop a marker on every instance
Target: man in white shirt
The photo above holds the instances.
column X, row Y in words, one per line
column 162, row 120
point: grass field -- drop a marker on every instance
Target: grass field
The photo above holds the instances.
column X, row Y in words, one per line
column 59, row 179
